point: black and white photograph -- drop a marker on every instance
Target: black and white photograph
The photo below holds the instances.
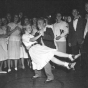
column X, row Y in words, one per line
column 43, row 43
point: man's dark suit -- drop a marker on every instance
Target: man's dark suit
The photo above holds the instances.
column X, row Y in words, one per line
column 76, row 37
column 48, row 40
column 85, row 53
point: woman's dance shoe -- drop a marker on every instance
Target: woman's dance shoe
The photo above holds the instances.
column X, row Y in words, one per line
column 71, row 65
column 74, row 57
column 15, row 69
column 9, row 70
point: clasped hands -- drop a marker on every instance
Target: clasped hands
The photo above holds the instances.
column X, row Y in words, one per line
column 17, row 28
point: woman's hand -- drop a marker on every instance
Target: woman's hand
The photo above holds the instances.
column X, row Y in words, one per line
column 42, row 32
column 17, row 28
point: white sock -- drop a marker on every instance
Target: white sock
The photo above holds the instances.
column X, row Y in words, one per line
column 70, row 55
column 66, row 64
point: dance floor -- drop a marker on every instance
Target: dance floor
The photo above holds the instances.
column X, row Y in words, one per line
column 63, row 79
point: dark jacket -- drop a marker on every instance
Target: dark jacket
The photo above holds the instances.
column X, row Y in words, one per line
column 85, row 43
column 48, row 38
column 77, row 36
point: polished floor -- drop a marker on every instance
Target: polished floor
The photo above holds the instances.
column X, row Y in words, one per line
column 64, row 78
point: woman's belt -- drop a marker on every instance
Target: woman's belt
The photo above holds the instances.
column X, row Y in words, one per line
column 31, row 46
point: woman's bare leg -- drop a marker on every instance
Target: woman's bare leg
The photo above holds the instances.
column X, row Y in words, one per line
column 5, row 64
column 15, row 64
column 1, row 63
column 11, row 63
column 61, row 54
column 22, row 61
column 62, row 63
column 59, row 62
column 9, row 69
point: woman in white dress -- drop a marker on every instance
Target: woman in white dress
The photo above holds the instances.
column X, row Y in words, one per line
column 5, row 27
column 3, row 47
column 14, row 42
column 41, row 54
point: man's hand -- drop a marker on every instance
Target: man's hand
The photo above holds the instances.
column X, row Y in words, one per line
column 58, row 37
column 82, row 42
column 69, row 44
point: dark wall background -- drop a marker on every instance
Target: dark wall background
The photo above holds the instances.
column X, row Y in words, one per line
column 40, row 7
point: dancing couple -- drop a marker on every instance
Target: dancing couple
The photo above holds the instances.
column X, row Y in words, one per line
column 41, row 55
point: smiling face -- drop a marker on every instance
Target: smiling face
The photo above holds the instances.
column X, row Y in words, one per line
column 26, row 21
column 75, row 12
column 8, row 16
column 58, row 17
column 4, row 21
column 34, row 20
column 69, row 19
column 29, row 29
column 41, row 24
column 16, row 18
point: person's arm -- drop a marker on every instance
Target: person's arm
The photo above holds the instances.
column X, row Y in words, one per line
column 66, row 30
column 10, row 32
column 35, row 38
column 42, row 41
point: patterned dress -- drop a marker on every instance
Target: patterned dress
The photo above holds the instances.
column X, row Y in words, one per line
column 14, row 42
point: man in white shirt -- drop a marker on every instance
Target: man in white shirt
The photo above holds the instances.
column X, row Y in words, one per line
column 60, row 29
